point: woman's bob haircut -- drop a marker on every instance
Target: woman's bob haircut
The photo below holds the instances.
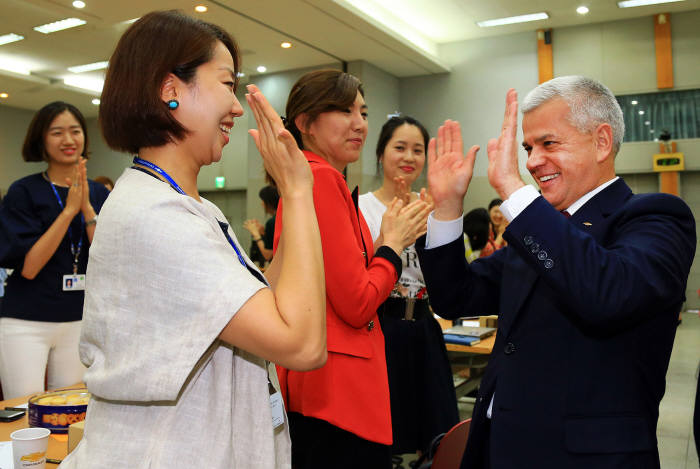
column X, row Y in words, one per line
column 34, row 148
column 132, row 113
column 318, row 92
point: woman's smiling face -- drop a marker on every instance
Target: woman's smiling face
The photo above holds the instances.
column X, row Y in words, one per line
column 404, row 154
column 338, row 136
column 64, row 140
column 209, row 105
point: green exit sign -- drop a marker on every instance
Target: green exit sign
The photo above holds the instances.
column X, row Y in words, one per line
column 220, row 182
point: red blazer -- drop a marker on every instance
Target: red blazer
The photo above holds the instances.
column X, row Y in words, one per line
column 351, row 390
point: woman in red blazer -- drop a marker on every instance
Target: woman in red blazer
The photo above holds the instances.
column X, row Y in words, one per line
column 339, row 415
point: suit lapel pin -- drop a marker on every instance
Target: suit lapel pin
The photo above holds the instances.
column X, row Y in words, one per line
column 587, row 223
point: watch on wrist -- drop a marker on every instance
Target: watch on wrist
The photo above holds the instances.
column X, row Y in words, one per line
column 92, row 221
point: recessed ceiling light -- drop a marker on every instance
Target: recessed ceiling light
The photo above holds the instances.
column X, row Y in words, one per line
column 513, row 20
column 59, row 25
column 641, row 3
column 96, row 101
column 286, row 45
column 647, row 122
column 634, row 102
column 8, row 38
column 200, row 8
column 582, row 10
column 79, row 4
column 86, row 83
column 261, row 69
column 4, row 95
column 88, row 67
column 641, row 113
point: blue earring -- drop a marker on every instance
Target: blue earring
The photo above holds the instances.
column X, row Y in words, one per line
column 173, row 104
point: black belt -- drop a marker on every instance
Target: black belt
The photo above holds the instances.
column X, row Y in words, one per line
column 410, row 309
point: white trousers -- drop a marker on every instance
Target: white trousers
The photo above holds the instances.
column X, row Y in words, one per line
column 31, row 349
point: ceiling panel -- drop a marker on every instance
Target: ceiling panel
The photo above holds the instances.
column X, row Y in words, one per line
column 321, row 31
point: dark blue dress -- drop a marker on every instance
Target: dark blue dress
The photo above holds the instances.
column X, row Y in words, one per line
column 26, row 213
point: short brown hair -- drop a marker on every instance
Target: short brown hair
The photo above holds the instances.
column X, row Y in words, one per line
column 104, row 180
column 34, row 148
column 318, row 92
column 132, row 113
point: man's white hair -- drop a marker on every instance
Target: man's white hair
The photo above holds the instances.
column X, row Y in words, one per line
column 590, row 104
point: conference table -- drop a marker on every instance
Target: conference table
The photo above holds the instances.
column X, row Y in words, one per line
column 462, row 358
column 468, row 363
column 58, row 443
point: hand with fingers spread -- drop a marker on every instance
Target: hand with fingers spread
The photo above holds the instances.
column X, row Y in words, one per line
column 503, row 172
column 253, row 227
column 281, row 156
column 449, row 171
column 402, row 225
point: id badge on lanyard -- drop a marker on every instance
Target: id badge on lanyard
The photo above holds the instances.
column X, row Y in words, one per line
column 74, row 281
column 276, row 405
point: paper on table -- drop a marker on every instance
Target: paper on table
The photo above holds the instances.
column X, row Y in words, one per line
column 6, row 461
column 470, row 322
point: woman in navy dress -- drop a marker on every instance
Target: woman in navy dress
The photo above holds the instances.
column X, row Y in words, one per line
column 47, row 221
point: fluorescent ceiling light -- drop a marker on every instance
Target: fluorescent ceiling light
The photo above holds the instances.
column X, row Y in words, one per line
column 59, row 25
column 14, row 66
column 582, row 10
column 387, row 19
column 8, row 38
column 641, row 3
column 86, row 83
column 512, row 20
column 88, row 67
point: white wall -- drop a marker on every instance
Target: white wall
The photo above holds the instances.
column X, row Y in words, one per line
column 474, row 94
column 13, row 128
column 620, row 54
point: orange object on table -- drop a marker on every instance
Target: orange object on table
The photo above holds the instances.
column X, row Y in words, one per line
column 58, row 443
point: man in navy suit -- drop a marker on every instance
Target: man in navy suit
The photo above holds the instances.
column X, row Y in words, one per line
column 587, row 300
